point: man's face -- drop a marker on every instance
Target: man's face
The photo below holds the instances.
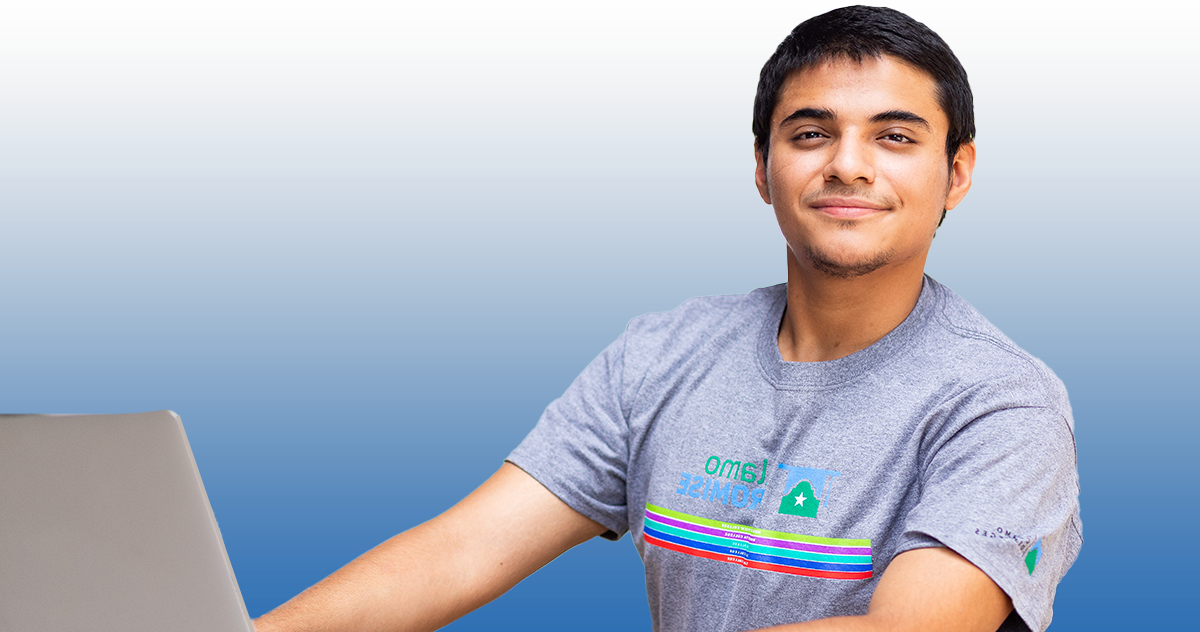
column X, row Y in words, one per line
column 857, row 169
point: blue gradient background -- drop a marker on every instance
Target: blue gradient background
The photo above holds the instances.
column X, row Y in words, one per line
column 359, row 247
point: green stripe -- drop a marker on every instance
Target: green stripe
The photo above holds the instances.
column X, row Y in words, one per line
column 760, row 548
column 779, row 535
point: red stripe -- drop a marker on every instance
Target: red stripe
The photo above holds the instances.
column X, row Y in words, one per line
column 765, row 566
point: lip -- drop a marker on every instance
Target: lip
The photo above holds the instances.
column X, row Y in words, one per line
column 847, row 208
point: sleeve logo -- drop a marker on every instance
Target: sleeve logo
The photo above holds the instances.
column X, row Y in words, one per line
column 1032, row 557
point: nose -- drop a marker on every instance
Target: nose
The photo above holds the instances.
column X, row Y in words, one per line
column 851, row 161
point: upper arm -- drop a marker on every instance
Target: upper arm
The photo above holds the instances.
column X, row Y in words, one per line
column 1002, row 492
column 936, row 589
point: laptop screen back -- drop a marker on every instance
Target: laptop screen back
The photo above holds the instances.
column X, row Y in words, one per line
column 105, row 525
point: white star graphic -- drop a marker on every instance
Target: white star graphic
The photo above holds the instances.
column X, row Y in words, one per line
column 800, row 499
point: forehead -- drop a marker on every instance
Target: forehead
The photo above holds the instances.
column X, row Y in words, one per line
column 861, row 89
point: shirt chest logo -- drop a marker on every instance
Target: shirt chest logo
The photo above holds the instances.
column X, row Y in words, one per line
column 743, row 484
column 808, row 488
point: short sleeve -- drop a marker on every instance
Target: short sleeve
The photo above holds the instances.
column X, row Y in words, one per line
column 1002, row 491
column 578, row 449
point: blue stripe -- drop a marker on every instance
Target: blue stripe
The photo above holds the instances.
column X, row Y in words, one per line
column 757, row 557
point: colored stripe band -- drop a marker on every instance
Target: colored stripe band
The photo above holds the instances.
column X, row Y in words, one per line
column 791, row 570
column 760, row 549
column 774, row 542
column 780, row 535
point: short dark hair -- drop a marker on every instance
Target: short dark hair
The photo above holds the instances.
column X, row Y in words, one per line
column 858, row 32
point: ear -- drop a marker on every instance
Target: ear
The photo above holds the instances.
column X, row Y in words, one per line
column 960, row 175
column 760, row 175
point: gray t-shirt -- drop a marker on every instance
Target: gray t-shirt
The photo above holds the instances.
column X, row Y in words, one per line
column 761, row 492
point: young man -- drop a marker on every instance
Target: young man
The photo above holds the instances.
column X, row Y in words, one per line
column 855, row 450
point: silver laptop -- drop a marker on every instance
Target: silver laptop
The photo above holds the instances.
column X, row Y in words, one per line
column 105, row 526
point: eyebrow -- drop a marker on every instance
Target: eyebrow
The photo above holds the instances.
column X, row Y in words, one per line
column 822, row 114
column 901, row 115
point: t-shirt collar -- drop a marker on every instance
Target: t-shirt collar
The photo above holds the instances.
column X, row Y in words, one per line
column 802, row 375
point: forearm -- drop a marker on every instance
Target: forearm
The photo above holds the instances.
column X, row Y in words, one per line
column 876, row 622
column 871, row 622
column 410, row 582
column 864, row 623
column 434, row 573
column 924, row 590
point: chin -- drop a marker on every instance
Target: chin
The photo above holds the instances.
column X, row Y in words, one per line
column 845, row 267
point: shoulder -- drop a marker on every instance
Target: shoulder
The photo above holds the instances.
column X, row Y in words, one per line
column 982, row 371
column 702, row 327
column 699, row 318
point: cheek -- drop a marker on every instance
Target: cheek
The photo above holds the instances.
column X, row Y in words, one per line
column 922, row 186
column 786, row 159
column 792, row 173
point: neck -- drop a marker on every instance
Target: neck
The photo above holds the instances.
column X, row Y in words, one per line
column 829, row 317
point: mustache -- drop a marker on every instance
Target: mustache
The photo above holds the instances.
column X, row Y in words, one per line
column 842, row 190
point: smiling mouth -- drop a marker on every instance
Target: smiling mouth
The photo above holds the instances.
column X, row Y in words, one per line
column 848, row 208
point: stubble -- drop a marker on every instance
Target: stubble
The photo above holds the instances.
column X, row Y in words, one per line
column 825, row 263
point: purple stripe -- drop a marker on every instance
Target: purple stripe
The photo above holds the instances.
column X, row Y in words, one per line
column 783, row 544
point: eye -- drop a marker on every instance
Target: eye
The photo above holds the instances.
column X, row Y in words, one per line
column 808, row 135
column 896, row 138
